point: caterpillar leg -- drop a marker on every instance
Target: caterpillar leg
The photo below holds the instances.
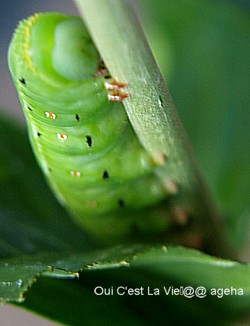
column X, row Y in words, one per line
column 117, row 96
column 111, row 84
column 113, row 87
column 115, row 90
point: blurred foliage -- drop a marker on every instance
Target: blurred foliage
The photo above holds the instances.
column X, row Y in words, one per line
column 203, row 49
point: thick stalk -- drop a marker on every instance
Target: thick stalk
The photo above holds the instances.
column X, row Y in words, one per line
column 119, row 37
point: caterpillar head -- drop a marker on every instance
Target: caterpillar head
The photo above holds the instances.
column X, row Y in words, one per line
column 55, row 46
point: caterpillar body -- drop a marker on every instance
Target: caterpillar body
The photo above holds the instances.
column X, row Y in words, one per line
column 79, row 130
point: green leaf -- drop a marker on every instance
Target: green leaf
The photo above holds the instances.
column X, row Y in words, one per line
column 17, row 274
column 172, row 268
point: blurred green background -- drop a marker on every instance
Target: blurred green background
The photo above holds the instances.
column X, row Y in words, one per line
column 203, row 50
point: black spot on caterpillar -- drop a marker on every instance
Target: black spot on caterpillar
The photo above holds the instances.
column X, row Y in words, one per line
column 89, row 140
column 105, row 174
column 22, row 80
column 79, row 130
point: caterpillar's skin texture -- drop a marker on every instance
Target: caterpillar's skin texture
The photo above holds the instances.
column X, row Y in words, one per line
column 82, row 141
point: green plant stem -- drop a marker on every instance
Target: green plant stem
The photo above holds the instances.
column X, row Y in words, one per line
column 119, row 37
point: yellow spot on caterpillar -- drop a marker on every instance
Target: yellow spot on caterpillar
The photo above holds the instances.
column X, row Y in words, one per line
column 32, row 19
column 75, row 173
column 62, row 137
column 91, row 204
column 50, row 115
column 179, row 215
column 159, row 158
column 170, row 186
column 26, row 31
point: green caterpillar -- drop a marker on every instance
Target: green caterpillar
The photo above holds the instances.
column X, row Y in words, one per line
column 79, row 130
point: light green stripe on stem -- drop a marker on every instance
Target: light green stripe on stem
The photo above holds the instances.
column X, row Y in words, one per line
column 119, row 37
